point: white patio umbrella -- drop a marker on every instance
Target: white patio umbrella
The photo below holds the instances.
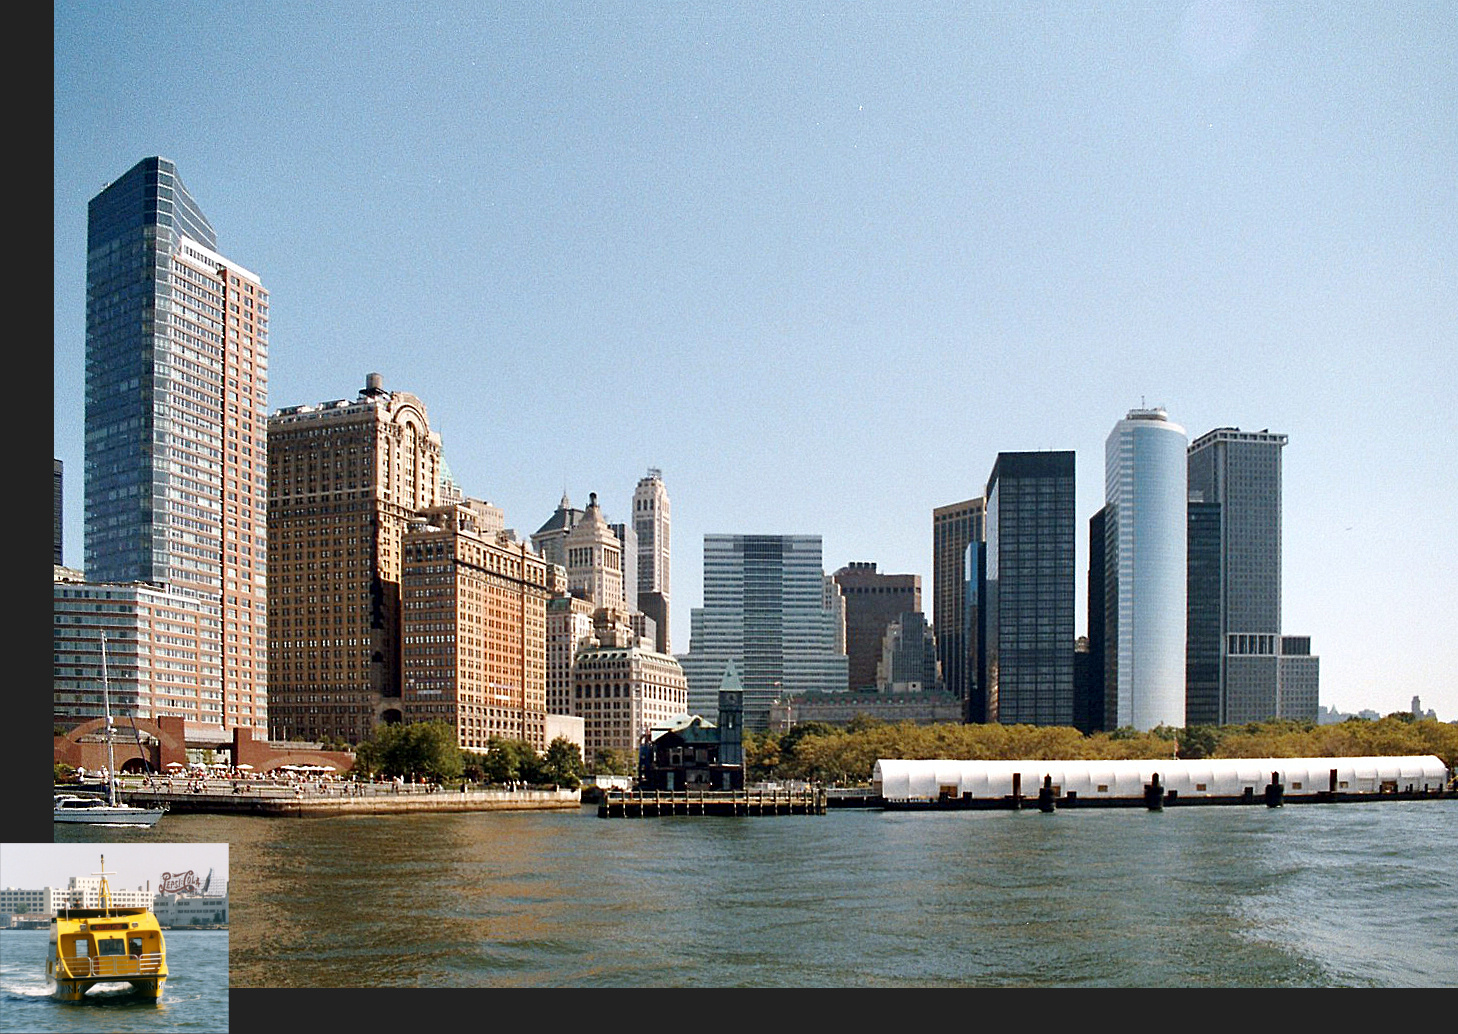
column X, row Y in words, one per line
column 246, row 768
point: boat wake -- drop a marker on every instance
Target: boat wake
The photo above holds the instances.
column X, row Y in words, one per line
column 42, row 989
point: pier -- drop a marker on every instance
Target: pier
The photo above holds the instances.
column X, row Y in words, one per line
column 641, row 804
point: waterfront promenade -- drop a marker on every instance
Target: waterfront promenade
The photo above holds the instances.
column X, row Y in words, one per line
column 320, row 798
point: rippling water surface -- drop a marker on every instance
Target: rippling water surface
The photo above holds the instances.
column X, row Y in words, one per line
column 1315, row 895
column 195, row 997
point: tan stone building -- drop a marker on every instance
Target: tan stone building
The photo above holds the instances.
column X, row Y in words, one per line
column 595, row 559
column 344, row 478
column 569, row 628
column 622, row 688
column 474, row 619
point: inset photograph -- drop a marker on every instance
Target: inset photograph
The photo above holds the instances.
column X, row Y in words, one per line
column 113, row 937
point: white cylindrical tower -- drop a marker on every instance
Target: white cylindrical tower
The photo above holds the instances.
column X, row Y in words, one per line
column 1146, row 478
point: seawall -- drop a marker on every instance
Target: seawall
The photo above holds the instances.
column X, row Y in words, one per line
column 321, row 806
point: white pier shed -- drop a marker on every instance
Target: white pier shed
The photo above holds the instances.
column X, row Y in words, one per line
column 930, row 780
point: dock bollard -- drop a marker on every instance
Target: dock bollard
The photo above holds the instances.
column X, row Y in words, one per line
column 1275, row 792
column 1045, row 796
column 1154, row 795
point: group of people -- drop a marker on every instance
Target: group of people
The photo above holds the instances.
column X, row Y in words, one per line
column 241, row 781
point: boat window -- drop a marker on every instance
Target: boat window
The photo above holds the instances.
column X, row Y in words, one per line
column 79, row 946
column 111, row 946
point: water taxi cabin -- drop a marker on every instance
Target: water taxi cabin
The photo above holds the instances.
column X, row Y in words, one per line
column 91, row 946
column 1207, row 780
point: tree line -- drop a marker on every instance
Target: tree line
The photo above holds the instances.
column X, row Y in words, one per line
column 428, row 751
column 846, row 755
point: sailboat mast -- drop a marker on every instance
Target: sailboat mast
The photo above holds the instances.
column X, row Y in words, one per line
column 110, row 759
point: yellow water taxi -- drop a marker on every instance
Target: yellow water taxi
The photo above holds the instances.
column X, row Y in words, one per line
column 91, row 946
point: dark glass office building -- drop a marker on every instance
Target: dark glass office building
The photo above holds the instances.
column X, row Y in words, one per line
column 1028, row 592
column 1092, row 711
column 1202, row 614
column 955, row 527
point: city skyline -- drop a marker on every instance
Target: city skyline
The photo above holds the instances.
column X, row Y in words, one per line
column 779, row 254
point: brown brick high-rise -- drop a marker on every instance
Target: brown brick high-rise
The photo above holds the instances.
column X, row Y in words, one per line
column 344, row 478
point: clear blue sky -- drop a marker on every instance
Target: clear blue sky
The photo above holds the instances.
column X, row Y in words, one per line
column 820, row 263
column 32, row 866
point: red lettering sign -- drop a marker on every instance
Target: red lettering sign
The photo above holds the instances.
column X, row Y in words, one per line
column 180, row 883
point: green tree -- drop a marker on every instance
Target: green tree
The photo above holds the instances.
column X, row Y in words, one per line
column 609, row 761
column 761, row 754
column 562, row 764
column 473, row 766
column 1199, row 741
column 418, row 750
column 512, row 761
column 63, row 772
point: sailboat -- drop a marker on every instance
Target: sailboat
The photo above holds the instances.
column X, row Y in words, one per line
column 70, row 807
column 91, row 946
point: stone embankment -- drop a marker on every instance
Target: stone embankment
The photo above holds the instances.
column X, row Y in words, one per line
column 287, row 803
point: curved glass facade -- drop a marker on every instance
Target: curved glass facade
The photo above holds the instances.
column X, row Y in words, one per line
column 1145, row 564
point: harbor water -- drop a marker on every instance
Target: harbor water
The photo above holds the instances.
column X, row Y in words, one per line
column 1352, row 895
column 195, row 997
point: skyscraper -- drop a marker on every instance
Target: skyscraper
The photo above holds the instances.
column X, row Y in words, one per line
column 764, row 609
column 628, row 544
column 1092, row 709
column 345, row 479
column 872, row 602
column 1241, row 471
column 595, row 559
column 651, row 520
column 473, row 627
column 1145, row 514
column 56, row 485
column 1202, row 613
column 908, row 661
column 1028, row 592
column 550, row 540
column 622, row 687
column 973, row 655
column 176, row 398
column 955, row 527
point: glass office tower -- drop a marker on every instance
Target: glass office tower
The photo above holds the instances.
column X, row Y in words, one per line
column 764, row 609
column 1240, row 471
column 954, row 528
column 1145, row 517
column 176, row 400
column 1028, row 589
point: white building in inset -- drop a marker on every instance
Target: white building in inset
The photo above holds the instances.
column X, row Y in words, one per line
column 175, row 910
